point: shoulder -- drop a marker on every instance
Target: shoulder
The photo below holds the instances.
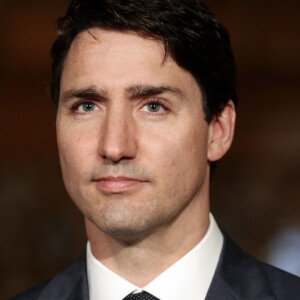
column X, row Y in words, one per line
column 285, row 285
column 245, row 277
column 31, row 293
column 70, row 281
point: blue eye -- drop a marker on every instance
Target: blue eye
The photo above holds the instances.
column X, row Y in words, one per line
column 86, row 107
column 153, row 107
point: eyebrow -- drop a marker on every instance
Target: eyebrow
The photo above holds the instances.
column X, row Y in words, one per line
column 135, row 91
column 149, row 90
column 90, row 92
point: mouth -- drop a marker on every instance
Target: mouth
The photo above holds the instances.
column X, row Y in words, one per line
column 116, row 185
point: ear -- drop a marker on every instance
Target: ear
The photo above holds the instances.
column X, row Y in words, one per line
column 221, row 131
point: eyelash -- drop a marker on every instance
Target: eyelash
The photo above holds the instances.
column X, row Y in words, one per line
column 76, row 105
column 155, row 101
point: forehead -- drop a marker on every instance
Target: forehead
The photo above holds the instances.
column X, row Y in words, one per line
column 111, row 44
column 113, row 59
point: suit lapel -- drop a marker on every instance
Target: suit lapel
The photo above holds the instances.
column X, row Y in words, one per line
column 81, row 290
column 239, row 276
column 219, row 291
column 71, row 284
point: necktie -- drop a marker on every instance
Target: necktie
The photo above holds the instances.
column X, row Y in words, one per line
column 140, row 296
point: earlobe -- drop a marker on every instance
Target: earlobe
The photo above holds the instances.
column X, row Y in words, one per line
column 221, row 131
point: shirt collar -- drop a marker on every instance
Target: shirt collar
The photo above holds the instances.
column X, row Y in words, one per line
column 188, row 278
column 103, row 283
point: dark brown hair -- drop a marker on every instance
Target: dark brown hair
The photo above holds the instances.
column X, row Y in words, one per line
column 191, row 35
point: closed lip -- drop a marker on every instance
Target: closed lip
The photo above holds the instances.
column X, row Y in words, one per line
column 117, row 184
column 117, row 178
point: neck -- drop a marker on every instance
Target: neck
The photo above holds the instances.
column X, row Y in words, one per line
column 143, row 259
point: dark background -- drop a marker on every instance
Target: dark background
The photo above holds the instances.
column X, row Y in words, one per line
column 255, row 188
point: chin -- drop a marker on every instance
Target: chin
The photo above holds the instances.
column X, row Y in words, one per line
column 126, row 227
column 129, row 236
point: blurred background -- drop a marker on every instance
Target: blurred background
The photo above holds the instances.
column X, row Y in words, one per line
column 255, row 188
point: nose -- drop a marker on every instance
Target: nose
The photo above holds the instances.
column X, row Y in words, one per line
column 118, row 137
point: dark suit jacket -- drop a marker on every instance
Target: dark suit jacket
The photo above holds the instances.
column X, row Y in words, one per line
column 238, row 277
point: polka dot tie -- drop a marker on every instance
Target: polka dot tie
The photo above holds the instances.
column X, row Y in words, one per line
column 140, row 296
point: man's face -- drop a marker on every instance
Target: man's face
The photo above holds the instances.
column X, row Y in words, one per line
column 131, row 133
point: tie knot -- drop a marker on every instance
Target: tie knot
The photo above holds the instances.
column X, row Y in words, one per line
column 140, row 296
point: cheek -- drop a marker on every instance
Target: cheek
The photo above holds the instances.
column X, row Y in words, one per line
column 76, row 150
column 176, row 153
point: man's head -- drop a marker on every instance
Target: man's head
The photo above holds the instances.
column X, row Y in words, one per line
column 190, row 33
column 131, row 81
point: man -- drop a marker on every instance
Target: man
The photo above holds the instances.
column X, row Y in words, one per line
column 145, row 96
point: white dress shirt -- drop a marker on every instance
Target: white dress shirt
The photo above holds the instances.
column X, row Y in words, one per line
column 188, row 278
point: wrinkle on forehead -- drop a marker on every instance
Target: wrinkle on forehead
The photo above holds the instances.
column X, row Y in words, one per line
column 113, row 60
column 95, row 33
